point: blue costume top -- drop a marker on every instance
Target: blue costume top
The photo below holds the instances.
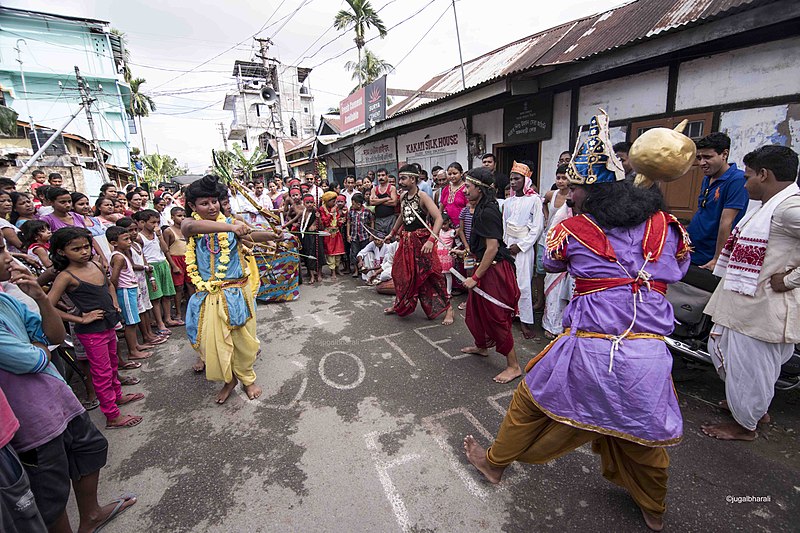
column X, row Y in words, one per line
column 238, row 309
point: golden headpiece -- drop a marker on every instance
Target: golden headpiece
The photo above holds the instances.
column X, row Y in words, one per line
column 594, row 160
column 522, row 169
column 662, row 154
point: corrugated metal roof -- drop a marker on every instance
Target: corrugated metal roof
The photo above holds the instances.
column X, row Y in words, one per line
column 579, row 39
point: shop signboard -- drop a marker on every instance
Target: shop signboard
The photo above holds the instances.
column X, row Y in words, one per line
column 530, row 120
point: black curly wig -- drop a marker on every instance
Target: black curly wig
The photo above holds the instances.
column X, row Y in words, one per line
column 620, row 204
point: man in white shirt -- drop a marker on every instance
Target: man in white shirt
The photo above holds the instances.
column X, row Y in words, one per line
column 757, row 302
column 349, row 189
column 261, row 196
column 313, row 187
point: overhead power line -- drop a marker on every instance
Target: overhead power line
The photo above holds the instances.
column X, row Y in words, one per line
column 422, row 38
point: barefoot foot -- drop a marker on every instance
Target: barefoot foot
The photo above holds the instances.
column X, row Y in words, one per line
column 474, row 350
column 527, row 330
column 508, row 375
column 389, row 311
column 253, row 391
column 728, row 431
column 766, row 419
column 476, row 455
column 226, row 391
column 653, row 522
column 448, row 317
column 199, row 365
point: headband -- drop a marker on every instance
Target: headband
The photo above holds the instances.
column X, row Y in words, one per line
column 409, row 173
column 341, row 197
column 522, row 169
column 475, row 181
column 309, row 196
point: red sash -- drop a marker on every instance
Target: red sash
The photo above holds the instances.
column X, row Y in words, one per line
column 584, row 230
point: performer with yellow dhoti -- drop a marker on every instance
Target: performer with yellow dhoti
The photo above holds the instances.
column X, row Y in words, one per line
column 220, row 316
column 606, row 379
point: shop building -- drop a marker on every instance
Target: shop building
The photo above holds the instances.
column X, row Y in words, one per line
column 725, row 65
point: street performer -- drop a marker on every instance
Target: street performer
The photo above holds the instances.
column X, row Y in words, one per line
column 417, row 272
column 220, row 315
column 489, row 323
column 606, row 379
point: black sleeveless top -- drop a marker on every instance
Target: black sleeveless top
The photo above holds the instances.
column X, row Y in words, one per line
column 383, row 210
column 89, row 297
column 408, row 206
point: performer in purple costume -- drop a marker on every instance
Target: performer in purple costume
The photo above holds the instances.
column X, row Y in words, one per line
column 606, row 379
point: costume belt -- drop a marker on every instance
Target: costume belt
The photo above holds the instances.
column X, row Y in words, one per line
column 517, row 232
column 585, row 286
column 593, row 335
column 234, row 283
column 420, row 232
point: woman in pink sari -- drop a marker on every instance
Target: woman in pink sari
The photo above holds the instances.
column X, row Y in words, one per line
column 454, row 197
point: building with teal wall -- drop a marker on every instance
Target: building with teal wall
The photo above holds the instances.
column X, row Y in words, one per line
column 50, row 47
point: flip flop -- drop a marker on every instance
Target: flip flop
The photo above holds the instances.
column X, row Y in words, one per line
column 135, row 397
column 118, row 510
column 164, row 332
column 89, row 406
column 123, row 425
column 159, row 340
column 129, row 380
column 130, row 365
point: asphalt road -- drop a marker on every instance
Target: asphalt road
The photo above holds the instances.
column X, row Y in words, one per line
column 360, row 429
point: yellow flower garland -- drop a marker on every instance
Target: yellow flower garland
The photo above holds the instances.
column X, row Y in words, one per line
column 213, row 284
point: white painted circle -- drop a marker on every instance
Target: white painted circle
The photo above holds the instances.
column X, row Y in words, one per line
column 361, row 372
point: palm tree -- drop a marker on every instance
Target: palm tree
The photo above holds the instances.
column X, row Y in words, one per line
column 369, row 69
column 361, row 17
column 141, row 104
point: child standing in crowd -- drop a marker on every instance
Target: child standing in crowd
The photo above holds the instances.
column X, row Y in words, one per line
column 176, row 243
column 330, row 222
column 313, row 247
column 36, row 240
column 85, row 282
column 447, row 235
column 123, row 278
column 156, row 254
column 360, row 221
column 43, row 205
column 144, row 274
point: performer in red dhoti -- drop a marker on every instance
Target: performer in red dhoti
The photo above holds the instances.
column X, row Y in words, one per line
column 416, row 272
column 488, row 321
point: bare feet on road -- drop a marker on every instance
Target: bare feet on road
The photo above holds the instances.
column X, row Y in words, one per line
column 476, row 455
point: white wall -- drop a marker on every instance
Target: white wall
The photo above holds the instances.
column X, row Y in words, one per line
column 752, row 128
column 631, row 96
column 761, row 71
column 437, row 145
column 550, row 149
column 491, row 125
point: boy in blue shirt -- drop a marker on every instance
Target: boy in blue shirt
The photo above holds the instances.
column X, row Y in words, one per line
column 722, row 202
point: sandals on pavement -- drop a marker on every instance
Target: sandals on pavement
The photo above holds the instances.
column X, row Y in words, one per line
column 90, row 405
column 130, row 365
column 118, row 510
column 129, row 380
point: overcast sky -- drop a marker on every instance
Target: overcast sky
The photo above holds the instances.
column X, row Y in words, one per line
column 167, row 38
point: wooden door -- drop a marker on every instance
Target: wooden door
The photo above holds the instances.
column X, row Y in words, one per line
column 681, row 194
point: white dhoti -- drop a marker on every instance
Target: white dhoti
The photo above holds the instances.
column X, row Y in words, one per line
column 558, row 288
column 524, row 263
column 523, row 221
column 750, row 368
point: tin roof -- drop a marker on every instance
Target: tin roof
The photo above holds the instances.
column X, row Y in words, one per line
column 579, row 39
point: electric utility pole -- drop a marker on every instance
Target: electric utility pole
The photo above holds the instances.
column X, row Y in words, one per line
column 87, row 99
column 460, row 57
column 277, row 120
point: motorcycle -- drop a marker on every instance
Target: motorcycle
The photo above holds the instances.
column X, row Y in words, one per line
column 689, row 340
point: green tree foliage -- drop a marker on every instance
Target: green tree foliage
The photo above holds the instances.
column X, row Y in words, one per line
column 360, row 17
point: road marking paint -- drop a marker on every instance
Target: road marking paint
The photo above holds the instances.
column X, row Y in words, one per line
column 436, row 344
column 361, row 371
column 496, row 405
column 390, row 342
column 382, row 467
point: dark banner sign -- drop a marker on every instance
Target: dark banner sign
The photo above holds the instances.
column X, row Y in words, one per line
column 528, row 120
column 376, row 102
